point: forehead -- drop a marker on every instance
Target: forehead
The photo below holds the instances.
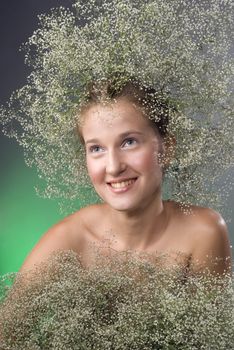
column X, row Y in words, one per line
column 115, row 115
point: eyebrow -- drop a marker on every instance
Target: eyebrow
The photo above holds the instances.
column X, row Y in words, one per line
column 123, row 135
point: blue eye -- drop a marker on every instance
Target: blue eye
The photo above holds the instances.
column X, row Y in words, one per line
column 129, row 142
column 95, row 149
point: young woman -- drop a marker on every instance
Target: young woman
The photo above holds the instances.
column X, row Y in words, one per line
column 134, row 139
column 128, row 147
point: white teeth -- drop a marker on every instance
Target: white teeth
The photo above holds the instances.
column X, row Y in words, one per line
column 122, row 184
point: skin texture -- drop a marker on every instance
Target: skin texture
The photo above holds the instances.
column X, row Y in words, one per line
column 121, row 145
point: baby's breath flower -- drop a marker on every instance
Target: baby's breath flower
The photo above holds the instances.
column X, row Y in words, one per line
column 180, row 47
column 121, row 302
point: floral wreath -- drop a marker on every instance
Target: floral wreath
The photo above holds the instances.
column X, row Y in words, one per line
column 180, row 47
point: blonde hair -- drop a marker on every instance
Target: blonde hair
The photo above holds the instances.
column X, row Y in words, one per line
column 155, row 105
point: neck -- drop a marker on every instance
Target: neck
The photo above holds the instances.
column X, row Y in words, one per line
column 139, row 229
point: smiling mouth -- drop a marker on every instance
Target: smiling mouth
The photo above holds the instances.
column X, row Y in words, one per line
column 122, row 184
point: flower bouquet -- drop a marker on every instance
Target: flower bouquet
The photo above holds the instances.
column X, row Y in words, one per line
column 121, row 302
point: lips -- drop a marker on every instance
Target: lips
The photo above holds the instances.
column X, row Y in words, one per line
column 121, row 185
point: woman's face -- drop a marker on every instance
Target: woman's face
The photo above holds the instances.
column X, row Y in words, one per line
column 122, row 152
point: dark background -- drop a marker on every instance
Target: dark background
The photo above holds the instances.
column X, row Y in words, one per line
column 23, row 216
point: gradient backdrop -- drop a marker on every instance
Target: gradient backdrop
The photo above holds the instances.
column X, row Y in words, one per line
column 24, row 217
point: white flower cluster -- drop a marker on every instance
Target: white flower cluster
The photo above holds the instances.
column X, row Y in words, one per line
column 122, row 303
column 182, row 48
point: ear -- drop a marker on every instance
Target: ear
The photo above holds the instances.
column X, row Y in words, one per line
column 169, row 147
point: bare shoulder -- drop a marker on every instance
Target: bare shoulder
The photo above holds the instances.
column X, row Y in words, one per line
column 210, row 239
column 91, row 213
column 67, row 234
column 209, row 225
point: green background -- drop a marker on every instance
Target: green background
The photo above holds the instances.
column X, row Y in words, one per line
column 24, row 217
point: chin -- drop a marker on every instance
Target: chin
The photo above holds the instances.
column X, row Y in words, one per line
column 124, row 207
column 129, row 203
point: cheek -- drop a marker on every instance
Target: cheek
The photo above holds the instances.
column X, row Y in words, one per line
column 94, row 170
column 147, row 160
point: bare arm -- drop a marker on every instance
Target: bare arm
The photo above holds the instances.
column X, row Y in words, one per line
column 212, row 246
column 56, row 238
column 34, row 274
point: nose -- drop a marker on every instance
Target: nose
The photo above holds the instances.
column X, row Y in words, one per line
column 115, row 164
